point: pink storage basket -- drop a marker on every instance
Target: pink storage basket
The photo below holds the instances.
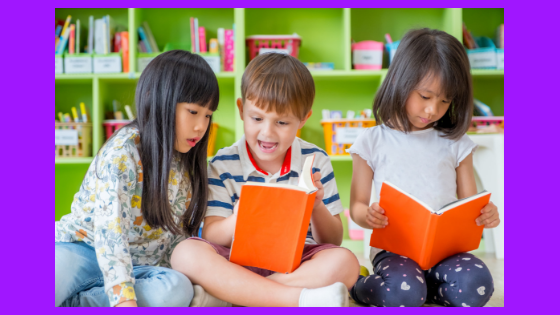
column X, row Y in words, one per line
column 113, row 125
column 291, row 43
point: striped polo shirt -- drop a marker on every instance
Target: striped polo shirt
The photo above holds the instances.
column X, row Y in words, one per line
column 233, row 166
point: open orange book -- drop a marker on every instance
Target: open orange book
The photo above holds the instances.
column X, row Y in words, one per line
column 425, row 235
column 272, row 223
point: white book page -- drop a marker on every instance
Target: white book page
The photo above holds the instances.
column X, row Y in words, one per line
column 461, row 202
column 306, row 178
column 305, row 181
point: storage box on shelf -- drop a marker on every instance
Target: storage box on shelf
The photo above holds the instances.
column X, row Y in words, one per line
column 72, row 140
column 340, row 134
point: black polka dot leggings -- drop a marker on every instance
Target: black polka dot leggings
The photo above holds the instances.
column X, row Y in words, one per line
column 458, row 281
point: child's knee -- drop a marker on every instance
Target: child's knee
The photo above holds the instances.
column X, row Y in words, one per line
column 462, row 281
column 173, row 289
column 346, row 269
column 188, row 253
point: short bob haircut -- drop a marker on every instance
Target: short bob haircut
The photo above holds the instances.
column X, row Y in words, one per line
column 422, row 54
column 280, row 83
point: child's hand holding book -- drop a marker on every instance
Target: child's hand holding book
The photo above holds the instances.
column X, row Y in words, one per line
column 490, row 217
column 375, row 217
column 320, row 191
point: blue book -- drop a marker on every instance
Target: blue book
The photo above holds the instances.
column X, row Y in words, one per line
column 62, row 43
column 144, row 39
column 58, row 30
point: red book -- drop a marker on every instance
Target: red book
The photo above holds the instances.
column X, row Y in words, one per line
column 117, row 43
column 72, row 44
column 125, row 48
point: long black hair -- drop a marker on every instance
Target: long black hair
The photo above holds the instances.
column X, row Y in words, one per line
column 421, row 53
column 173, row 77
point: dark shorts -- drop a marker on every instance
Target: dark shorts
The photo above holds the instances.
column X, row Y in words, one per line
column 308, row 252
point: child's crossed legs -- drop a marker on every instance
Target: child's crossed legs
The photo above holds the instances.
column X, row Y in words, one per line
column 209, row 267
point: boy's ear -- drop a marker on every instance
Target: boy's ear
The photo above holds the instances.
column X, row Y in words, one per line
column 302, row 123
column 240, row 107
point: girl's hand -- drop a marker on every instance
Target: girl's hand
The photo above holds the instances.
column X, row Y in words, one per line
column 490, row 217
column 375, row 217
column 320, row 191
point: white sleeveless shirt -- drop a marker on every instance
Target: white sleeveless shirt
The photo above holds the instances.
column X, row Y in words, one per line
column 421, row 163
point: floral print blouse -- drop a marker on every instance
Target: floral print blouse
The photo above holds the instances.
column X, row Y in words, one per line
column 106, row 215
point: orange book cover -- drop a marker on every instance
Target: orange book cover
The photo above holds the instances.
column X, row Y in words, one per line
column 125, row 48
column 272, row 223
column 425, row 235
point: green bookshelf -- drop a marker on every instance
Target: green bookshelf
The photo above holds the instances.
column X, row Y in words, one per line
column 326, row 37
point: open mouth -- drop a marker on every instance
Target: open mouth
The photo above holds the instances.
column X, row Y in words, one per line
column 192, row 142
column 268, row 147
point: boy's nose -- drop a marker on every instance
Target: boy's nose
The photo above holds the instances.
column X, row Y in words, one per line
column 266, row 129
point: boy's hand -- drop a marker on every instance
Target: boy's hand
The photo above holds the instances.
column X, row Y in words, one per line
column 375, row 217
column 320, row 192
column 490, row 217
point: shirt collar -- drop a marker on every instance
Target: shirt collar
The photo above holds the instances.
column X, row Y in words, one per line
column 292, row 160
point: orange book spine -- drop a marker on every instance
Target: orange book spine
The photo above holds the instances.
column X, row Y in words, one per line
column 429, row 240
column 72, row 44
column 297, row 254
column 125, row 48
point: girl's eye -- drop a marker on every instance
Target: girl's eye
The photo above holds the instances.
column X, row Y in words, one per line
column 424, row 97
column 193, row 112
column 446, row 102
column 208, row 116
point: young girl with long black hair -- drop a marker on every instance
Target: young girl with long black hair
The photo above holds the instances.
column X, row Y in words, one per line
column 145, row 192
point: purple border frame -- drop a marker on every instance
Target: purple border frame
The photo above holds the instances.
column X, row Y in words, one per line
column 24, row 285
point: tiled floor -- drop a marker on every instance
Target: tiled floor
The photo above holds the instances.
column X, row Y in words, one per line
column 496, row 268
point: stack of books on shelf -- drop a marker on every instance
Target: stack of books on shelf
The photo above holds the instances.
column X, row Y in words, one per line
column 104, row 50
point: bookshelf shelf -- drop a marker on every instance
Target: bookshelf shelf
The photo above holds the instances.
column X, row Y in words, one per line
column 326, row 37
column 84, row 160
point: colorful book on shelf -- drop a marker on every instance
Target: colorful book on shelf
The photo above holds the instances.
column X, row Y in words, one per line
column 57, row 36
column 202, row 39
column 266, row 234
column 64, row 37
column 125, row 48
column 196, row 38
column 99, row 37
column 228, row 50
column 109, row 32
column 500, row 36
column 72, row 43
column 144, row 39
column 117, row 42
column 142, row 47
column 90, row 34
column 78, row 38
column 150, row 36
column 193, row 49
column 425, row 235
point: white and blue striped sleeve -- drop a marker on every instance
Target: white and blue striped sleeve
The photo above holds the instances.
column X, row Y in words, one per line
column 331, row 198
column 219, row 201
